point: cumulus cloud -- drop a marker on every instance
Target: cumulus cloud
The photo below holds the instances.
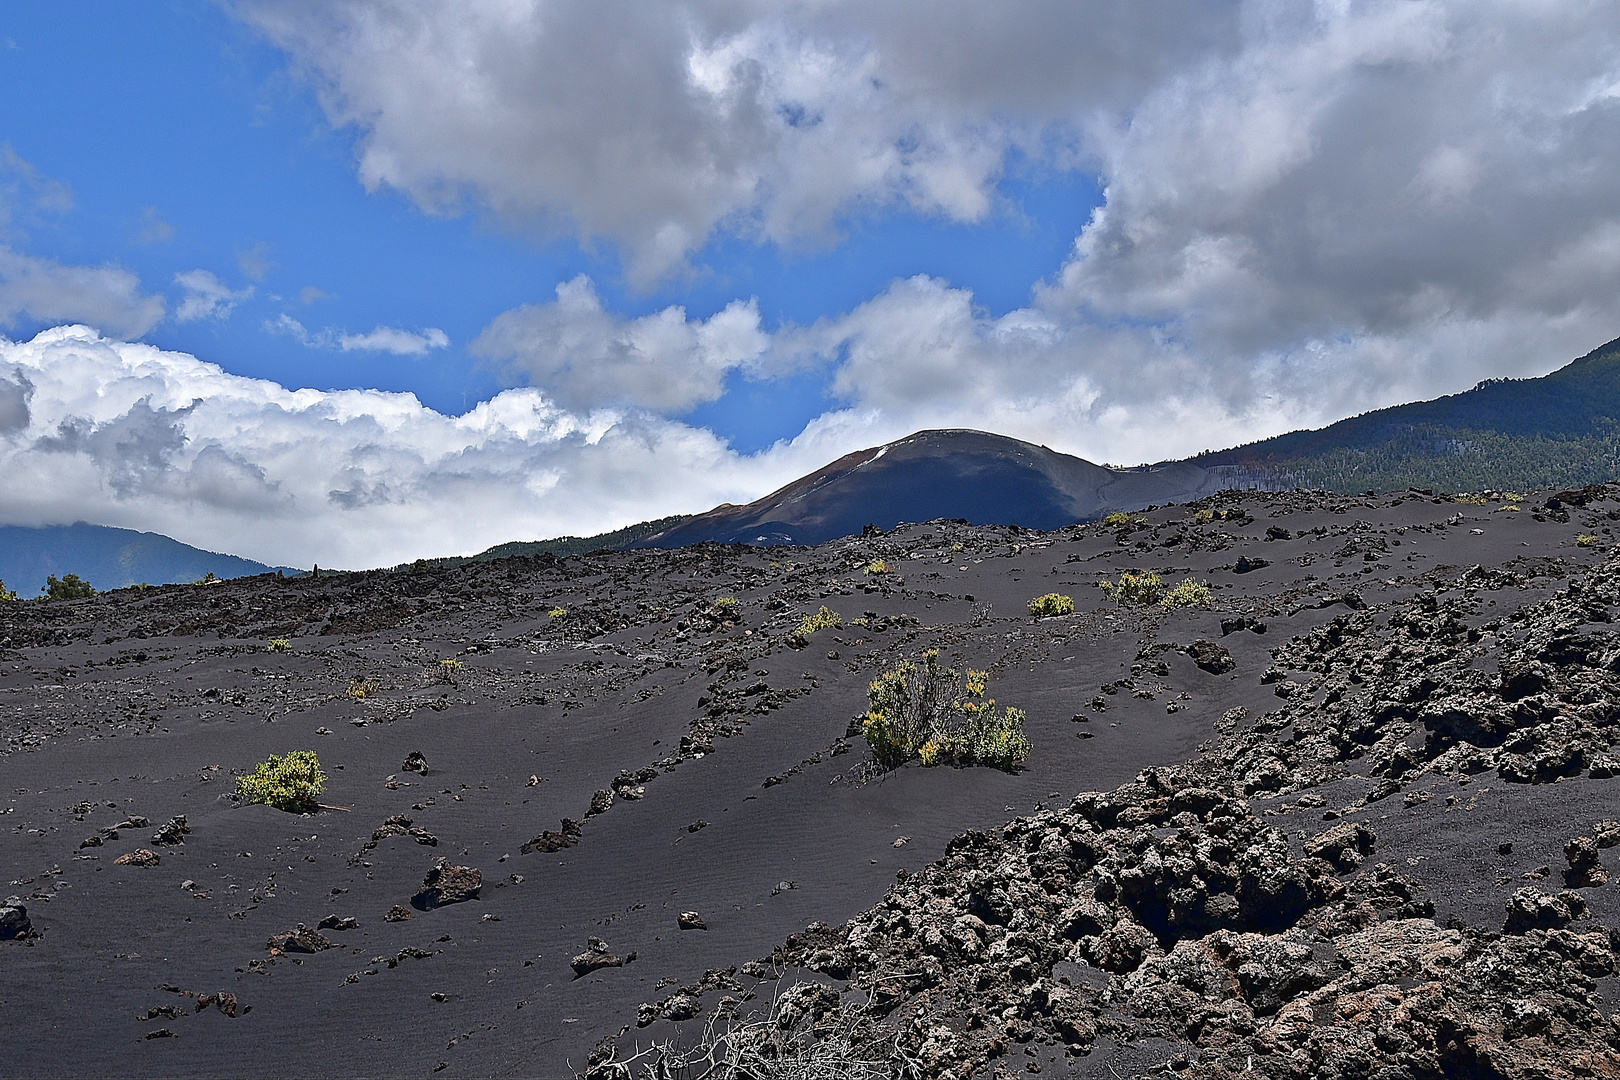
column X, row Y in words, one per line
column 651, row 125
column 586, row 357
column 207, row 297
column 48, row 291
column 1310, row 208
column 131, row 435
column 391, row 339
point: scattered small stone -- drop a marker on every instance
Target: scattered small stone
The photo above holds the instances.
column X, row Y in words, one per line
column 415, row 762
column 139, row 857
column 338, row 922
column 691, row 920
column 397, row 913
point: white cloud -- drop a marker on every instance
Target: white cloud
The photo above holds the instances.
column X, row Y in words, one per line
column 586, row 357
column 106, row 296
column 652, row 125
column 390, row 339
column 1312, row 208
column 131, row 435
column 206, row 297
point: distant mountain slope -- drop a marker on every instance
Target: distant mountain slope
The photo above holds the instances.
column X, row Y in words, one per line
column 986, row 479
column 107, row 558
column 1559, row 430
column 617, row 540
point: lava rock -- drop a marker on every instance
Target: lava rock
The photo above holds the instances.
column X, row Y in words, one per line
column 300, row 939
column 1585, row 868
column 1213, row 658
column 415, row 762
column 549, row 841
column 447, row 884
column 1346, row 846
column 1531, row 909
column 691, row 920
column 139, row 857
column 595, row 957
column 173, row 832
column 397, row 913
column 14, row 921
column 339, row 922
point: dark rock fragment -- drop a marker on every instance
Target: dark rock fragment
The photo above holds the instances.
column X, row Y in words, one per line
column 415, row 762
column 14, row 921
column 1585, row 868
column 397, row 913
column 300, row 939
column 595, row 957
column 691, row 920
column 1213, row 658
column 1246, row 564
column 173, row 832
column 447, row 884
column 600, row 803
column 338, row 922
column 549, row 841
column 139, row 857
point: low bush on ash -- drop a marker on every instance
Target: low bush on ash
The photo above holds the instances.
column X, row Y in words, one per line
column 941, row 716
column 1133, row 588
column 292, row 782
column 1190, row 593
column 825, row 619
column 1051, row 605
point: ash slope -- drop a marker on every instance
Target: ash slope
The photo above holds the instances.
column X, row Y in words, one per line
column 715, row 756
column 982, row 478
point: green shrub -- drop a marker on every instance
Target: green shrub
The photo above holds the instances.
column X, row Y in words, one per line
column 877, row 566
column 360, row 689
column 825, row 619
column 1189, row 593
column 279, row 644
column 726, row 604
column 1133, row 588
column 206, row 579
column 69, row 588
column 558, row 612
column 1051, row 605
column 4, row 595
column 1586, row 540
column 923, row 709
column 290, row 783
column 1120, row 517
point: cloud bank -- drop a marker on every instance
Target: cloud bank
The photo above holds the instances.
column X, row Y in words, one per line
column 1311, row 208
column 127, row 434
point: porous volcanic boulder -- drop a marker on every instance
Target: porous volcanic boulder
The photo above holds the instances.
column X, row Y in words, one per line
column 1531, row 909
column 1346, row 846
column 691, row 920
column 415, row 762
column 447, row 884
column 1585, row 868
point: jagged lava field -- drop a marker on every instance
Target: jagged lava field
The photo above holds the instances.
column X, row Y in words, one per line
column 1352, row 817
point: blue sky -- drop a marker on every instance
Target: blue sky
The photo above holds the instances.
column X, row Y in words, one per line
column 226, row 163
column 635, row 259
